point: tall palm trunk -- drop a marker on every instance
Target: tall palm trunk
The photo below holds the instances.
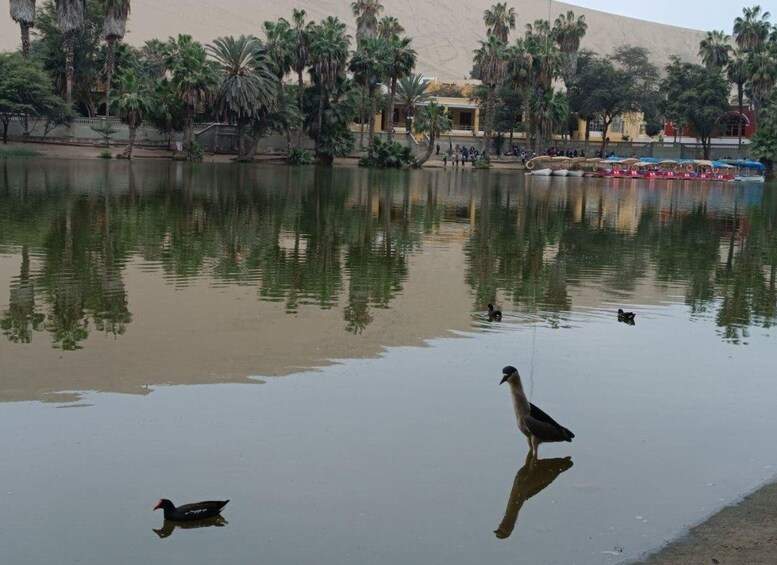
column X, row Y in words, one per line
column 110, row 62
column 489, row 120
column 133, row 129
column 25, row 27
column 740, row 102
column 373, row 109
column 392, row 96
column 320, row 120
column 429, row 148
column 70, row 71
column 300, row 96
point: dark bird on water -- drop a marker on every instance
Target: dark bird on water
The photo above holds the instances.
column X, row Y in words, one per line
column 625, row 316
column 189, row 512
column 494, row 314
column 535, row 424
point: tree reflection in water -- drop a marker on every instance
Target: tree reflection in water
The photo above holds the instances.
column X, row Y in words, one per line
column 323, row 238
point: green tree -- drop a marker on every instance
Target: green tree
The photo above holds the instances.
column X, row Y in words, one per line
column 25, row 90
column 133, row 104
column 168, row 114
column 301, row 51
column 366, row 13
column 608, row 92
column 736, row 71
column 370, row 66
column 23, row 13
column 193, row 77
column 433, row 120
column 402, row 59
column 520, row 75
column 490, row 62
column 70, row 21
column 751, row 30
column 702, row 97
column 388, row 26
column 328, row 55
column 715, row 49
column 499, row 20
column 762, row 71
column 247, row 87
column 114, row 28
column 411, row 91
column 568, row 31
column 546, row 65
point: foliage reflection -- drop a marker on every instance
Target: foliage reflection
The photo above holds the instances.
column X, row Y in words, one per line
column 342, row 238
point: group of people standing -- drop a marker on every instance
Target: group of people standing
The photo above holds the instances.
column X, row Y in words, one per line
column 459, row 155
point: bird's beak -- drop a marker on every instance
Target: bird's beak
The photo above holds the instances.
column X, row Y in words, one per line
column 157, row 506
column 504, row 378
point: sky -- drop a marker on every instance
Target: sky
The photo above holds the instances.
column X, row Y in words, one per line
column 705, row 15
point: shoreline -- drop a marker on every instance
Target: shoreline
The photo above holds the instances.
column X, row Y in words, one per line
column 89, row 151
column 744, row 533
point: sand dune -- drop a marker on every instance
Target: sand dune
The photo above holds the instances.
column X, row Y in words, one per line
column 444, row 32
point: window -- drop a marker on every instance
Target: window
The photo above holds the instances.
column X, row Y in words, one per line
column 616, row 126
column 730, row 124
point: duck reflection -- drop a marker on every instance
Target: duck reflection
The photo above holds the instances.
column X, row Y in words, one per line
column 169, row 526
column 535, row 475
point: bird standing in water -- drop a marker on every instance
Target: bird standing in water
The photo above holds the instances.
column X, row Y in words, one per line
column 535, row 424
column 494, row 315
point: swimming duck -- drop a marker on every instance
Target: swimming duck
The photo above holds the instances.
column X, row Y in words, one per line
column 189, row 512
column 494, row 314
column 625, row 315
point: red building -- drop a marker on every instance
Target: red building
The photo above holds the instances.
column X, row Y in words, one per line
column 730, row 123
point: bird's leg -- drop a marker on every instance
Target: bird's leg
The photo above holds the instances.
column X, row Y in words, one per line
column 534, row 444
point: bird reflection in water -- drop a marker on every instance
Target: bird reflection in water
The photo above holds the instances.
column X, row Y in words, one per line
column 534, row 476
column 169, row 526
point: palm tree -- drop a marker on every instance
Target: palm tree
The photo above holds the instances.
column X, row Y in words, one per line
column 568, row 32
column 192, row 76
column 366, row 14
column 433, row 120
column 70, row 21
column 388, row 26
column 411, row 91
column 133, row 105
column 752, row 30
column 715, row 49
column 520, row 71
column 301, row 50
column 370, row 66
column 114, row 28
column 23, row 13
column 328, row 56
column 490, row 63
column 546, row 63
column 401, row 64
column 737, row 73
column 247, row 85
column 762, row 71
column 280, row 47
column 499, row 20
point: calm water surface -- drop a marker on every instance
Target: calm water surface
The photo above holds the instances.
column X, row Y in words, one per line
column 312, row 344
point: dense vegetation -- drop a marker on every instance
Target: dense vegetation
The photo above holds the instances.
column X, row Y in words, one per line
column 241, row 80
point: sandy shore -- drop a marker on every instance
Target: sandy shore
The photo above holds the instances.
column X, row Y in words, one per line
column 743, row 534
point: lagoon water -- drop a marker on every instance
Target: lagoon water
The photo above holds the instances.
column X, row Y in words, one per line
column 312, row 344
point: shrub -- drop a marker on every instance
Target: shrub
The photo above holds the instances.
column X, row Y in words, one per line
column 105, row 155
column 299, row 156
column 387, row 155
